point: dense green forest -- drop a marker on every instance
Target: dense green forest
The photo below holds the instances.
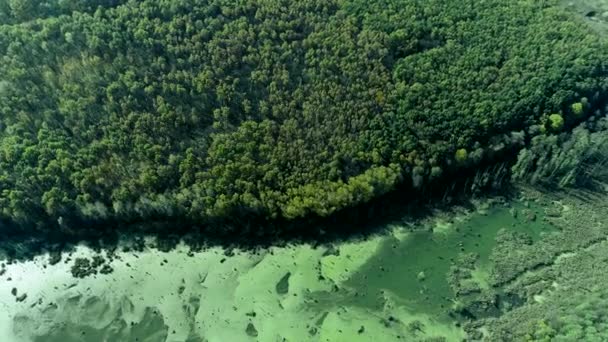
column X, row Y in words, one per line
column 206, row 109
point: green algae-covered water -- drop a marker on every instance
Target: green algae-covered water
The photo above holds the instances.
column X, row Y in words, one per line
column 391, row 286
column 413, row 267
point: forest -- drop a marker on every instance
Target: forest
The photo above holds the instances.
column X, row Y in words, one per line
column 206, row 110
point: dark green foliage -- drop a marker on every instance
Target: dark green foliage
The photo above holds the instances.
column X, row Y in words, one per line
column 82, row 268
column 54, row 257
column 193, row 109
column 97, row 261
column 18, row 11
column 576, row 309
column 581, row 316
column 577, row 159
column 106, row 269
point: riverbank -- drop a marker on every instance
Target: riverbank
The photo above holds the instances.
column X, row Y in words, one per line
column 393, row 285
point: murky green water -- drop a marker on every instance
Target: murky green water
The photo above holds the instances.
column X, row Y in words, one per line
column 347, row 292
column 414, row 268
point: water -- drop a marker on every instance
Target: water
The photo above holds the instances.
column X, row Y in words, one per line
column 414, row 268
column 386, row 286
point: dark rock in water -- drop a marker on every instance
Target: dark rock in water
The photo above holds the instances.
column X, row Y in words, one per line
column 2, row 271
column 14, row 291
column 361, row 330
column 251, row 314
column 22, row 298
column 313, row 331
column 251, row 330
column 282, row 286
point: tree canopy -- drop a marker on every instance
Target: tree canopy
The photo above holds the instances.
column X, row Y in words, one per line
column 206, row 109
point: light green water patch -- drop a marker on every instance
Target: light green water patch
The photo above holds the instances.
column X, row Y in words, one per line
column 178, row 296
column 414, row 268
column 387, row 287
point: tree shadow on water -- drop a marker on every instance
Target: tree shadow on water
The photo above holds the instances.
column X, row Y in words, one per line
column 404, row 205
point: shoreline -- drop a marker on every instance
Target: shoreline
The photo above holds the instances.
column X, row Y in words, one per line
column 334, row 274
